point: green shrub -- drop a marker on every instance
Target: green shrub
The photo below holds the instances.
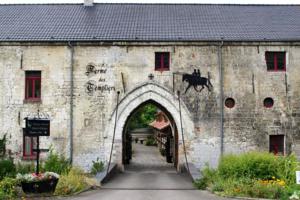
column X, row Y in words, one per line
column 25, row 168
column 291, row 190
column 253, row 174
column 209, row 176
column 72, row 182
column 248, row 188
column 259, row 165
column 150, row 141
column 162, row 152
column 287, row 165
column 250, row 165
column 270, row 191
column 56, row 163
column 98, row 166
column 8, row 188
column 201, row 183
column 295, row 195
column 7, row 168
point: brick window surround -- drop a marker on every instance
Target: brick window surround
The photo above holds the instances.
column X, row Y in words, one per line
column 162, row 61
column 276, row 61
column 33, row 85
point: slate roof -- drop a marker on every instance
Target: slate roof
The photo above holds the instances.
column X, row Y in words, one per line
column 149, row 22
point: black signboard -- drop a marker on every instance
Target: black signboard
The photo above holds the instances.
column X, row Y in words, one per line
column 37, row 127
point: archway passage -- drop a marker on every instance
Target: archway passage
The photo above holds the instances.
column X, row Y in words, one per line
column 180, row 119
column 150, row 139
column 162, row 97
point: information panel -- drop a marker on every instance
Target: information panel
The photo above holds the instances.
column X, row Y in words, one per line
column 37, row 127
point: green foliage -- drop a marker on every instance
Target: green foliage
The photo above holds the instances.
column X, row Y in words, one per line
column 208, row 177
column 201, row 183
column 291, row 190
column 7, row 168
column 251, row 165
column 259, row 165
column 143, row 117
column 150, row 141
column 253, row 174
column 251, row 188
column 56, row 163
column 98, row 166
column 286, row 168
column 162, row 152
column 25, row 168
column 72, row 182
column 8, row 188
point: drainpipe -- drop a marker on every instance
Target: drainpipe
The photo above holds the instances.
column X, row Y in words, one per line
column 221, row 98
column 71, row 101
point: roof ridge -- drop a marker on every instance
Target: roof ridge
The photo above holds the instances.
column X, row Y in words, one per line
column 176, row 4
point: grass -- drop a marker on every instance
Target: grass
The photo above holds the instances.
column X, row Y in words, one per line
column 252, row 174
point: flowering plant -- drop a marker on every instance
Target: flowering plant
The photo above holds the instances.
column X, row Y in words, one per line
column 36, row 177
column 273, row 181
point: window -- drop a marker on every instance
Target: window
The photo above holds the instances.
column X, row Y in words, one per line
column 229, row 102
column 162, row 61
column 33, row 85
column 29, row 143
column 277, row 144
column 275, row 61
column 268, row 102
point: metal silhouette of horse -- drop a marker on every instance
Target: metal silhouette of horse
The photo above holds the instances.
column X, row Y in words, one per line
column 195, row 81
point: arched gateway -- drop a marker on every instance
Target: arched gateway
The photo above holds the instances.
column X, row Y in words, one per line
column 163, row 98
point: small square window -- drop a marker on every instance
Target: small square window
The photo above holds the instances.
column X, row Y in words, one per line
column 29, row 144
column 33, row 85
column 275, row 61
column 162, row 61
column 277, row 144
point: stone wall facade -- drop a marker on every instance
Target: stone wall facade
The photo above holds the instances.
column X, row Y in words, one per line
column 100, row 70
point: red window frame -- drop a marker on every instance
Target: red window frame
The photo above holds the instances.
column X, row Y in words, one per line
column 30, row 81
column 275, row 56
column 31, row 155
column 160, row 66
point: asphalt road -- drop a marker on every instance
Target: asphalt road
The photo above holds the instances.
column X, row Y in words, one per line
column 148, row 177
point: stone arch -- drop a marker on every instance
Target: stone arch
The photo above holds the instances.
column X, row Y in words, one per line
column 149, row 91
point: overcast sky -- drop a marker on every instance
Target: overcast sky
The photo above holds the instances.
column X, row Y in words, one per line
column 158, row 1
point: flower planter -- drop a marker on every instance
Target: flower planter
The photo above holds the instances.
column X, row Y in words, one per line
column 38, row 183
column 43, row 186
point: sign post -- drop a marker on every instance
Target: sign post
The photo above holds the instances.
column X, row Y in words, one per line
column 37, row 127
column 298, row 177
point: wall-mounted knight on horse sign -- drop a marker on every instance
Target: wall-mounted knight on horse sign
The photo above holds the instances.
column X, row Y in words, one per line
column 195, row 80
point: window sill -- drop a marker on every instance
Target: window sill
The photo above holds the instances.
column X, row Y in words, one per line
column 276, row 70
column 32, row 101
column 162, row 70
column 29, row 158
